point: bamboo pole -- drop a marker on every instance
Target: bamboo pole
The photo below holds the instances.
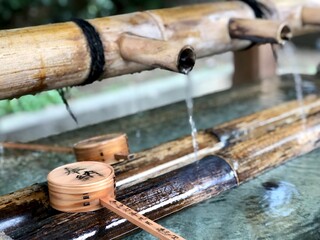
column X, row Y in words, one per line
column 260, row 123
column 259, row 31
column 53, row 56
column 255, row 155
column 169, row 55
column 259, row 62
column 36, row 147
column 310, row 15
column 294, row 13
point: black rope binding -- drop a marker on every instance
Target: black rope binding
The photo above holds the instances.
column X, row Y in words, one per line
column 96, row 51
column 260, row 10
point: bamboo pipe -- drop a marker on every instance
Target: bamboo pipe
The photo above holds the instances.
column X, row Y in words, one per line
column 53, row 56
column 157, row 53
column 36, row 147
column 255, row 30
column 295, row 14
column 255, row 155
column 310, row 15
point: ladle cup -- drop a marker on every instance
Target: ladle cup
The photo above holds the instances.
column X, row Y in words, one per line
column 88, row 186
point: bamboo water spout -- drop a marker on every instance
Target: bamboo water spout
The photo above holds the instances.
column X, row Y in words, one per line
column 255, row 31
column 301, row 15
column 157, row 53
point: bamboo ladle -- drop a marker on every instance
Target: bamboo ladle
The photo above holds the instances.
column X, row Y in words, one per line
column 88, row 186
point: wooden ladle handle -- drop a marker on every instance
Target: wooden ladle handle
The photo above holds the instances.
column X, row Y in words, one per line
column 139, row 220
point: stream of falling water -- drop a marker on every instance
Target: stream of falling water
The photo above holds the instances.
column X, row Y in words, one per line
column 189, row 103
column 1, row 159
column 289, row 52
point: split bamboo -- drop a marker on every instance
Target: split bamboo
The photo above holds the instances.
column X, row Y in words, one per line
column 164, row 194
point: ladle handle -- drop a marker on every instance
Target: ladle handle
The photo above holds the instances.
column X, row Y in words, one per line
column 139, row 220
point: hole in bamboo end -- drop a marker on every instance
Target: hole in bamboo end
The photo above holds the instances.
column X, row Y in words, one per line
column 285, row 33
column 186, row 60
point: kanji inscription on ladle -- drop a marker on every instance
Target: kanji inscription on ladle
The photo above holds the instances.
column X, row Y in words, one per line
column 88, row 186
column 82, row 173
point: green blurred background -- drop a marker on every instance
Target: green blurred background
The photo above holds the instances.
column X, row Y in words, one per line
column 20, row 13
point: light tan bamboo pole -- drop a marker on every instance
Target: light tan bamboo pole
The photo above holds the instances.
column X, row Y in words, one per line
column 294, row 13
column 47, row 57
column 169, row 54
column 259, row 30
column 311, row 15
